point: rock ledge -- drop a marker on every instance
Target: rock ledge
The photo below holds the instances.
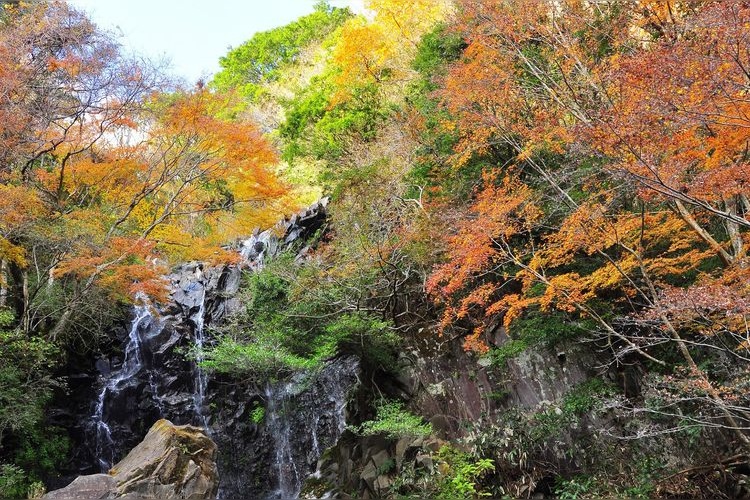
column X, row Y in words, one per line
column 171, row 462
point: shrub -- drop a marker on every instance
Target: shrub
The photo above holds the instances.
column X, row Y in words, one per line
column 42, row 450
column 462, row 473
column 286, row 327
column 573, row 489
column 394, row 422
column 26, row 382
column 457, row 475
column 14, row 483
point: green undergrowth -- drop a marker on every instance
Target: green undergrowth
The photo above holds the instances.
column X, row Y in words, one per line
column 393, row 421
column 286, row 326
column 449, row 474
column 30, row 450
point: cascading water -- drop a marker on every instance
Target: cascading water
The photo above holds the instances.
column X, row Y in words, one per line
column 104, row 445
column 144, row 388
column 303, row 417
column 278, row 407
column 201, row 379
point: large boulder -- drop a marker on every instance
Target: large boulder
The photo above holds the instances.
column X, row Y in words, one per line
column 171, row 462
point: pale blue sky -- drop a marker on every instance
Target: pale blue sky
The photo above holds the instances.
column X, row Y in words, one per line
column 193, row 34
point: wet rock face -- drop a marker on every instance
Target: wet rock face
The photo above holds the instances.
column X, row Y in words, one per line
column 171, row 462
column 302, row 417
column 163, row 382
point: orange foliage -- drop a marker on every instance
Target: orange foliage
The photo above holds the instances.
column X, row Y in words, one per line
column 112, row 178
column 193, row 183
column 125, row 267
column 380, row 49
column 679, row 116
column 504, row 209
column 665, row 104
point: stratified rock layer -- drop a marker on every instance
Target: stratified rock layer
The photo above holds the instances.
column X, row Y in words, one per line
column 171, row 462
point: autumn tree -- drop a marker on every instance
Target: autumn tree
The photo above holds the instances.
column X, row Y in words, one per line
column 380, row 49
column 63, row 90
column 575, row 91
column 108, row 181
column 677, row 120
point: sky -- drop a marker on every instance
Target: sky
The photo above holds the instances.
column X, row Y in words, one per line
column 193, row 34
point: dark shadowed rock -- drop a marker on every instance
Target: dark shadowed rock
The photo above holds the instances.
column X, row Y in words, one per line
column 165, row 382
column 171, row 462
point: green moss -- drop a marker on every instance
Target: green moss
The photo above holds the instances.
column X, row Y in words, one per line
column 258, row 414
column 537, row 328
column 509, row 350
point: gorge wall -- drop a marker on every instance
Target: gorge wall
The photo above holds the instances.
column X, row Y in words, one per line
column 116, row 398
column 533, row 412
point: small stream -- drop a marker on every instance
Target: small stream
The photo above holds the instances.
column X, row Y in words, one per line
column 200, row 376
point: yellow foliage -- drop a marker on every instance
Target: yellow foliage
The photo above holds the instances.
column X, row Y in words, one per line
column 12, row 253
column 381, row 49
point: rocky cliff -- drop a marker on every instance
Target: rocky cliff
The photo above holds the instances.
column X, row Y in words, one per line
column 154, row 376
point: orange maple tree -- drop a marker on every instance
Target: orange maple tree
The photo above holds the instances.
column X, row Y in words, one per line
column 677, row 122
column 106, row 179
column 627, row 131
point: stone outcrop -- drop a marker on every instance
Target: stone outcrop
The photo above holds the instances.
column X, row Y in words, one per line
column 171, row 462
column 448, row 387
column 364, row 468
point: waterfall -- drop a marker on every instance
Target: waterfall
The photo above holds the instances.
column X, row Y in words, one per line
column 104, row 446
column 144, row 388
column 201, row 379
column 278, row 409
column 305, row 416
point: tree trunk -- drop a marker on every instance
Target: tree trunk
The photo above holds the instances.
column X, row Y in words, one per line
column 705, row 236
column 61, row 324
column 3, row 283
column 20, row 295
column 733, row 230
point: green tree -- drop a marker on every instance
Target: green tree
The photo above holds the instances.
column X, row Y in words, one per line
column 260, row 60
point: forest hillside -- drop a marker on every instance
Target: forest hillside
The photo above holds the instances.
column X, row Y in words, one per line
column 530, row 229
